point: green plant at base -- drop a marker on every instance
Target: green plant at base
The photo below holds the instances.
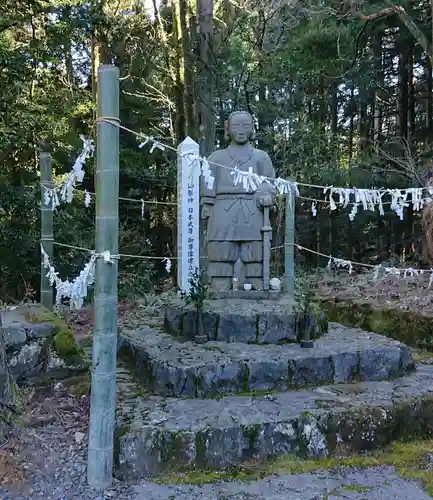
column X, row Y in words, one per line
column 198, row 290
column 198, row 293
column 305, row 300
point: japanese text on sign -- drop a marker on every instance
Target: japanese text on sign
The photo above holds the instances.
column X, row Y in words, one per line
column 188, row 212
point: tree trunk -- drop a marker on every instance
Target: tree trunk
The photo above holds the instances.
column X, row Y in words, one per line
column 403, row 93
column 189, row 61
column 411, row 97
column 377, row 105
column 180, row 125
column 334, row 109
column 100, row 52
column 205, row 77
column 429, row 99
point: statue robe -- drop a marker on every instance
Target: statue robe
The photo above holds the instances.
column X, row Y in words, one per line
column 236, row 215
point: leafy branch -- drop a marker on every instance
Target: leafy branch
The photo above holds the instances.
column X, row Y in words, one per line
column 304, row 296
column 198, row 290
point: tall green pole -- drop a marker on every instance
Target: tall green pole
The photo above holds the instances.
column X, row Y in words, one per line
column 103, row 394
column 47, row 233
column 289, row 240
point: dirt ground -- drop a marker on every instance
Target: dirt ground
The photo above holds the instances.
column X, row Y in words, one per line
column 410, row 293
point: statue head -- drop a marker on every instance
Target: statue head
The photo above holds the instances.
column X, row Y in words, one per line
column 239, row 127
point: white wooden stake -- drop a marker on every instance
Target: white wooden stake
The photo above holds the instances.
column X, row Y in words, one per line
column 188, row 211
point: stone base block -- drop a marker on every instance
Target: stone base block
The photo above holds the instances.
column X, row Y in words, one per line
column 154, row 435
column 239, row 320
column 182, row 368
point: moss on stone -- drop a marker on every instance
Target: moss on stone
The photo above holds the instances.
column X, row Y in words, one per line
column 255, row 393
column 211, row 348
column 200, row 447
column 306, row 415
column 410, row 327
column 357, row 488
column 181, row 322
column 120, row 431
column 251, row 433
column 217, row 326
column 79, row 385
column 290, row 372
column 63, row 340
column 356, row 373
column 199, row 385
column 66, row 347
column 322, row 322
column 409, row 459
column 257, row 327
column 422, row 356
column 140, row 367
column 332, row 363
column 246, row 379
column 172, row 445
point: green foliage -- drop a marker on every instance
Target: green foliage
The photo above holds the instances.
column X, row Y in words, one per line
column 198, row 291
column 305, row 300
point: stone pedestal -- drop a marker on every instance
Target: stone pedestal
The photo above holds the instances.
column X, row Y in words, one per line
column 182, row 368
column 232, row 319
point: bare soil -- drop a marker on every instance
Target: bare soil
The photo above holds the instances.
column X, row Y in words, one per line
column 410, row 293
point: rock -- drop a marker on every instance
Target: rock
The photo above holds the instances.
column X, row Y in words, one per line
column 25, row 362
column 184, row 369
column 79, row 436
column 41, row 349
column 240, row 320
column 158, row 434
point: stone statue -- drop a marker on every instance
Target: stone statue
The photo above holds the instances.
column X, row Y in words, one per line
column 235, row 242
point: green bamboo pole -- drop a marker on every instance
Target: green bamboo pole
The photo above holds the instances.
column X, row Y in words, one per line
column 289, row 249
column 47, row 233
column 103, row 395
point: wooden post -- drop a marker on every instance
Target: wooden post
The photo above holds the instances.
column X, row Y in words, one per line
column 103, row 396
column 289, row 240
column 188, row 212
column 47, row 233
column 266, row 231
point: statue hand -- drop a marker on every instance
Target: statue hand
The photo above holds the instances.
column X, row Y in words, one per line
column 206, row 210
column 266, row 200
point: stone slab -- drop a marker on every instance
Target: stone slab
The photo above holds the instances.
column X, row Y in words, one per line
column 174, row 368
column 155, row 434
column 237, row 320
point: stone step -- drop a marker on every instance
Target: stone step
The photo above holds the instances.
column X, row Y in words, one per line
column 184, row 369
column 155, row 434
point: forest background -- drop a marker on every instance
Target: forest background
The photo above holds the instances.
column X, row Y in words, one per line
column 341, row 92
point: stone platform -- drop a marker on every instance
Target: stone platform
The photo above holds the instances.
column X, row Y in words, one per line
column 155, row 434
column 184, row 369
column 235, row 319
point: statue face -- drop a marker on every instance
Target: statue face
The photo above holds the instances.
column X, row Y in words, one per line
column 241, row 128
